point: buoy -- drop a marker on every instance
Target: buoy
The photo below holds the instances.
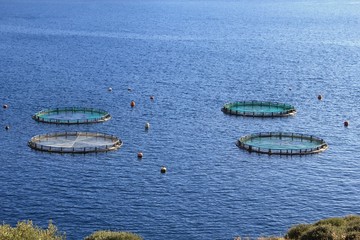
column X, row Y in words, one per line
column 140, row 155
column 163, row 169
column 5, row 106
column 346, row 123
column 7, row 127
column 320, row 97
column 147, row 125
column 151, row 97
column 132, row 104
column 129, row 89
column 109, row 89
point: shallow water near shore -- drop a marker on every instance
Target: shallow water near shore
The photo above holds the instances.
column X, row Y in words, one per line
column 193, row 57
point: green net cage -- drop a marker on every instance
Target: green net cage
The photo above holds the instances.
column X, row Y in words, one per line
column 75, row 142
column 259, row 109
column 72, row 115
column 282, row 143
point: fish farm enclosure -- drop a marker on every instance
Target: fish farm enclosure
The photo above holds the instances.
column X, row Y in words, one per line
column 72, row 115
column 259, row 109
column 75, row 142
column 282, row 143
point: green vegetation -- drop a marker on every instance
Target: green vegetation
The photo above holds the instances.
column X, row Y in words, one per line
column 25, row 230
column 109, row 235
column 347, row 228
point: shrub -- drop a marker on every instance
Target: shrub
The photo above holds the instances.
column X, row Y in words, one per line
column 332, row 228
column 352, row 218
column 296, row 231
column 353, row 223
column 353, row 236
column 270, row 238
column 337, row 222
column 25, row 230
column 353, row 228
column 322, row 232
column 109, row 235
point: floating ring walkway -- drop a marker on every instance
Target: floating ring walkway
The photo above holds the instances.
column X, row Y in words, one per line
column 282, row 143
column 72, row 115
column 259, row 109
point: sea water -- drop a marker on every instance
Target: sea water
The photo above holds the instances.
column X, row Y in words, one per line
column 193, row 57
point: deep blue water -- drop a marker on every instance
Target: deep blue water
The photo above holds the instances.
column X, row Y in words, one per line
column 193, row 56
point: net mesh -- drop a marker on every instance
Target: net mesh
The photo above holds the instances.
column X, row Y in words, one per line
column 75, row 142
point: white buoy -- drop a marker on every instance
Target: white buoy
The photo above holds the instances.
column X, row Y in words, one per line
column 163, row 169
column 346, row 123
column 140, row 155
column 147, row 125
column 109, row 89
column 7, row 127
column 5, row 106
column 320, row 97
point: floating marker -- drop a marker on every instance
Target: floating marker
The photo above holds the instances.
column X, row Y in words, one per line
column 163, row 169
column 140, row 155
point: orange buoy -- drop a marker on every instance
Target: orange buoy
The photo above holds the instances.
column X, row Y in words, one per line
column 346, row 123
column 319, row 97
column 132, row 104
column 140, row 155
column 163, row 169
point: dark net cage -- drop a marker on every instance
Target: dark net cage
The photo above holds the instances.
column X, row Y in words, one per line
column 282, row 143
column 71, row 115
column 259, row 109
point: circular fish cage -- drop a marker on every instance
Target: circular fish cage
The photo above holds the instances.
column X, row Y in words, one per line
column 72, row 115
column 75, row 142
column 282, row 143
column 259, row 109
